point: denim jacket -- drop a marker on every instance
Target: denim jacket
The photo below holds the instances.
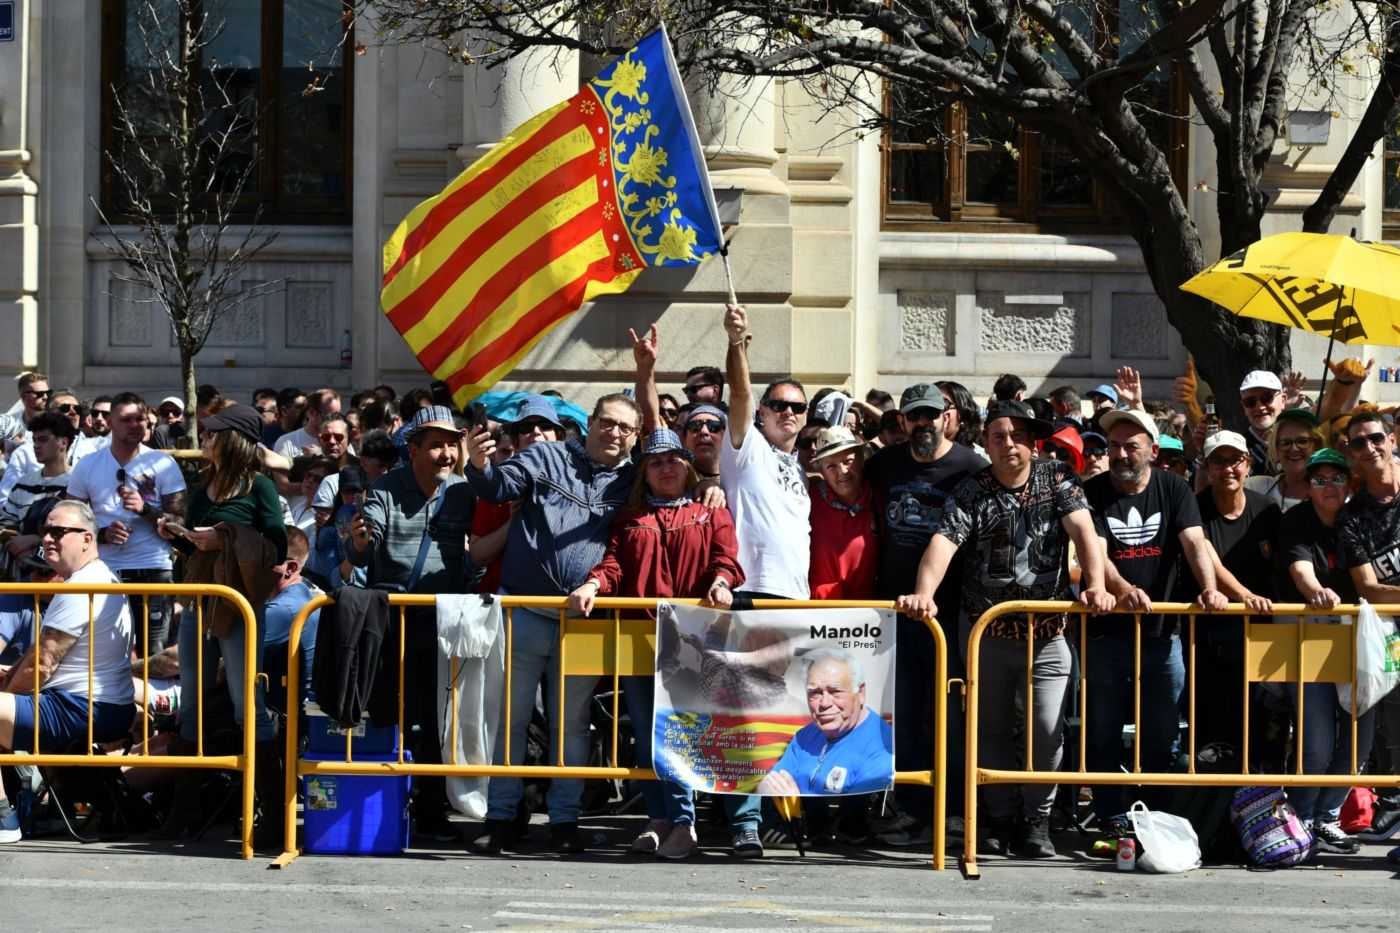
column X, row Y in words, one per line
column 567, row 506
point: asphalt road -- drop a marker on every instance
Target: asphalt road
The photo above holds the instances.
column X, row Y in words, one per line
column 54, row 884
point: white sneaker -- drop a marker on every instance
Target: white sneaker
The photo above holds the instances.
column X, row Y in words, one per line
column 679, row 844
column 1331, row 838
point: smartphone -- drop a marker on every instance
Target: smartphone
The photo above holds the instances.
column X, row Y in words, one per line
column 479, row 419
column 175, row 528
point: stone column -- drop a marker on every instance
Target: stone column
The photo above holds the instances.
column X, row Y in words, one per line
column 497, row 100
column 19, row 193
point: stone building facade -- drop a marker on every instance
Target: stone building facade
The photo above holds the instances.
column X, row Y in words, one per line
column 843, row 289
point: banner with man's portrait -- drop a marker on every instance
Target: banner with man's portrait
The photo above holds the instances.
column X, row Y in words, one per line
column 787, row 702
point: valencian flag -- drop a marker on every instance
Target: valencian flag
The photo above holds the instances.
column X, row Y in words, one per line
column 570, row 206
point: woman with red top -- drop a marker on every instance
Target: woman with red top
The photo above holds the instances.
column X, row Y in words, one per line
column 664, row 543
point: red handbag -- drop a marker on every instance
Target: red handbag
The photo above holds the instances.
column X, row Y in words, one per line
column 1359, row 810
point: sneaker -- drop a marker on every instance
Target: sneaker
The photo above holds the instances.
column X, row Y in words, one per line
column 1330, row 838
column 1036, row 841
column 776, row 836
column 679, row 844
column 998, row 837
column 747, row 844
column 649, row 839
column 434, row 825
column 888, row 818
column 564, row 838
column 953, row 827
column 500, row 835
column 915, row 834
column 9, row 823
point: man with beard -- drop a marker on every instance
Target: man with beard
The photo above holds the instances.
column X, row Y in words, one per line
column 913, row 482
column 1261, row 396
column 1016, row 519
column 1149, row 521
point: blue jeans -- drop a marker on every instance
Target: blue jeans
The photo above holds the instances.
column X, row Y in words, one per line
column 1109, row 663
column 665, row 800
column 231, row 649
column 535, row 654
column 1327, row 749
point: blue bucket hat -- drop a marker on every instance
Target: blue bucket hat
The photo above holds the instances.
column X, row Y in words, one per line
column 538, row 406
column 665, row 441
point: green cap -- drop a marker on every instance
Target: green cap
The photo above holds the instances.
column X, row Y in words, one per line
column 1328, row 457
column 1167, row 442
column 1299, row 414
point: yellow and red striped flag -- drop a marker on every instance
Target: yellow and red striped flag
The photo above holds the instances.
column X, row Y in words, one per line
column 571, row 205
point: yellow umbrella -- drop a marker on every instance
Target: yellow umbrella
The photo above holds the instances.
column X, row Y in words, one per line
column 1333, row 285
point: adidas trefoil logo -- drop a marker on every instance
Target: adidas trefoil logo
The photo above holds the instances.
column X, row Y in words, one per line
column 1135, row 530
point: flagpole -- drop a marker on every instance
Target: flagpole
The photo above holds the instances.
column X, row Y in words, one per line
column 728, row 276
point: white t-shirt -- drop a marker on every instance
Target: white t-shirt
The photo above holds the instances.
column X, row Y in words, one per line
column 22, row 462
column 154, row 475
column 767, row 494
column 290, row 445
column 84, row 445
column 111, row 668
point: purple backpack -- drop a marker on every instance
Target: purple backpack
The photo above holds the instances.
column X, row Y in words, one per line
column 1270, row 831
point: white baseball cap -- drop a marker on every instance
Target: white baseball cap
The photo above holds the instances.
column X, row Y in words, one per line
column 1261, row 379
column 171, row 400
column 1139, row 418
column 1230, row 440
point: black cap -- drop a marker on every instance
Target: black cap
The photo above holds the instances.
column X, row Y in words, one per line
column 1010, row 408
column 923, row 395
column 241, row 419
column 353, row 478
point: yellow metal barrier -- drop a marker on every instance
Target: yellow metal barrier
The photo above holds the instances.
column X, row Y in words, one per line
column 242, row 763
column 1282, row 651
column 593, row 646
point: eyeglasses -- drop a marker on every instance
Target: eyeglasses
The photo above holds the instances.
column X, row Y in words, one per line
column 269, row 410
column 56, row 532
column 1301, row 443
column 608, row 424
column 1322, row 482
column 1254, row 401
column 1224, row 463
column 695, row 389
column 696, row 425
column 1361, row 440
column 781, row 405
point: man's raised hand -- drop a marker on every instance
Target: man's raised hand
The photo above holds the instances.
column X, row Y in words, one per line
column 644, row 349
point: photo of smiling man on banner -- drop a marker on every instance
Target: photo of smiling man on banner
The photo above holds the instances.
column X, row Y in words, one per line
column 778, row 702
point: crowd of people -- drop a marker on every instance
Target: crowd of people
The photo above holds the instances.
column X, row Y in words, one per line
column 733, row 494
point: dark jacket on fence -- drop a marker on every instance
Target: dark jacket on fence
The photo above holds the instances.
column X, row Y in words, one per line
column 355, row 669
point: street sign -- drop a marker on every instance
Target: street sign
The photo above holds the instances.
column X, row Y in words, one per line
column 7, row 21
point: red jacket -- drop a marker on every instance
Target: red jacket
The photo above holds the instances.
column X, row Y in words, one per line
column 669, row 552
column 845, row 546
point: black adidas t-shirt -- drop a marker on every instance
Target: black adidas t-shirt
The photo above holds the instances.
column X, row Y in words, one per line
column 1143, row 535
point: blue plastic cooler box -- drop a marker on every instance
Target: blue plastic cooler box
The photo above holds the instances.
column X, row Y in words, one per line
column 355, row 814
column 323, row 735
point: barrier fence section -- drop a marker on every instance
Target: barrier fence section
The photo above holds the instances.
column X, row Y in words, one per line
column 242, row 762
column 614, row 646
column 1281, row 648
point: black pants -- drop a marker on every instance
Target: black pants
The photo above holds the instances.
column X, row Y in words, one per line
column 420, row 701
column 159, row 634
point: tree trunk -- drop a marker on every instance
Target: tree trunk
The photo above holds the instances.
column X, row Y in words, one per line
column 190, row 439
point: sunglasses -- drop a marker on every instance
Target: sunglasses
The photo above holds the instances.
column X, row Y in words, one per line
column 101, row 412
column 668, row 413
column 66, row 408
column 1254, row 401
column 58, row 531
column 270, row 410
column 691, row 390
column 1222, row 463
column 1095, row 451
column 696, row 425
column 806, row 443
column 121, row 476
column 1362, row 440
column 1322, row 482
column 1300, row 443
column 37, row 392
column 532, row 425
column 923, row 414
column 1171, row 460
column 1056, row 452
column 781, row 405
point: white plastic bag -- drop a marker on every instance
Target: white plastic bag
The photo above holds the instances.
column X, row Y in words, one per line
column 1169, row 844
column 1377, row 660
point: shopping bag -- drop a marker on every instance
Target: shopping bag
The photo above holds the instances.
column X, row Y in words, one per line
column 1377, row 660
column 1169, row 844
